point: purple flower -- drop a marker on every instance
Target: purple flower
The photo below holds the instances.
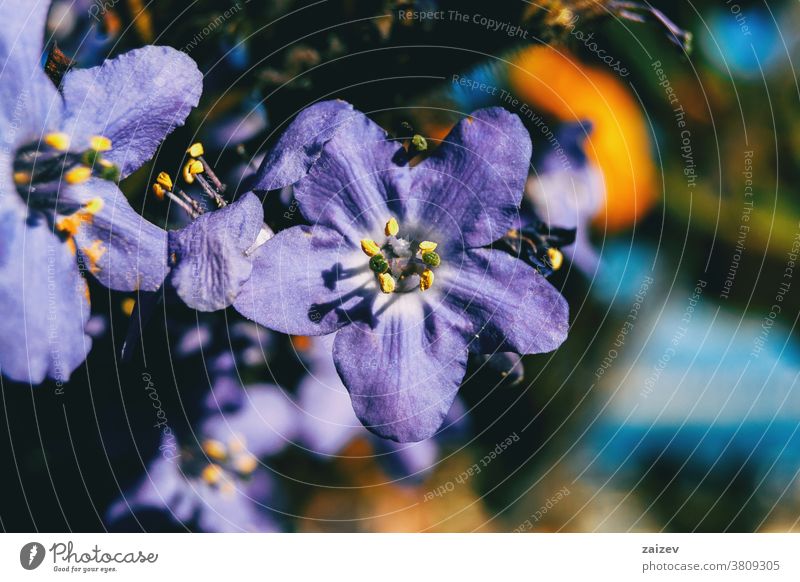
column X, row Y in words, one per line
column 567, row 191
column 219, row 484
column 61, row 212
column 394, row 264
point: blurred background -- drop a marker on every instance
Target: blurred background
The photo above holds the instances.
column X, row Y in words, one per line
column 663, row 132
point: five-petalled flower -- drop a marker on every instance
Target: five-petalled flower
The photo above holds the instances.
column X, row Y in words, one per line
column 405, row 322
column 61, row 212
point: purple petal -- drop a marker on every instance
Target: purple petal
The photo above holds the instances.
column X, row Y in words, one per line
column 403, row 372
column 209, row 254
column 306, row 281
column 161, row 486
column 264, row 424
column 356, row 184
column 135, row 100
column 327, row 420
column 240, row 510
column 301, row 144
column 121, row 249
column 472, row 184
column 505, row 302
column 27, row 96
column 44, row 302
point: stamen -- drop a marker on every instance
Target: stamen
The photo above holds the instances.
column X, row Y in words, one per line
column 419, row 143
column 431, row 259
column 426, row 280
column 78, row 175
column 100, row 143
column 196, row 150
column 370, row 247
column 211, row 474
column 215, row 449
column 427, row 246
column 158, row 191
column 378, row 264
column 57, row 140
column 21, row 178
column 556, row 258
column 387, row 282
column 391, row 228
column 191, row 168
column 164, row 180
column 245, row 464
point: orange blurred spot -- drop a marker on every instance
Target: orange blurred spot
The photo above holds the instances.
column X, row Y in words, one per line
column 302, row 343
column 552, row 82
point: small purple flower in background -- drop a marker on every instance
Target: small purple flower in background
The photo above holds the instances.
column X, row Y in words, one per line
column 567, row 192
column 327, row 423
column 219, row 484
column 393, row 263
column 61, row 212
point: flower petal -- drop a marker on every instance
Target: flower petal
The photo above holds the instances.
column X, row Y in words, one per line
column 209, row 254
column 356, row 185
column 121, row 249
column 306, row 281
column 135, row 100
column 27, row 95
column 44, row 303
column 472, row 184
column 404, row 371
column 506, row 303
column 301, row 144
column 263, row 425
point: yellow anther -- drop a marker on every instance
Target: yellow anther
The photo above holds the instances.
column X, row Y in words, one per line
column 196, row 150
column 78, row 175
column 370, row 247
column 427, row 246
column 58, row 140
column 215, row 449
column 100, row 143
column 392, row 228
column 21, row 178
column 93, row 255
column 426, row 280
column 195, row 166
column 387, row 282
column 191, row 168
column 127, row 305
column 163, row 179
column 245, row 464
column 158, row 191
column 94, row 205
column 556, row 258
column 211, row 474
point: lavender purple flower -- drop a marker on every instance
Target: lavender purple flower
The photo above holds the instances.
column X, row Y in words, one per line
column 395, row 263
